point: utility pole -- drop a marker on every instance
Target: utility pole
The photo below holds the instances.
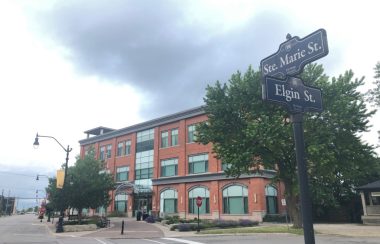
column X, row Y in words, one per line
column 6, row 205
column 1, row 202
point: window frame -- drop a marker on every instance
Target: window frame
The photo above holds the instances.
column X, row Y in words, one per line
column 164, row 140
column 192, row 164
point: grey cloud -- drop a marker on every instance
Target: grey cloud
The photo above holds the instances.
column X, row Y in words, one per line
column 149, row 45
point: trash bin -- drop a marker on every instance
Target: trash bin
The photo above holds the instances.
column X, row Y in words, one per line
column 138, row 215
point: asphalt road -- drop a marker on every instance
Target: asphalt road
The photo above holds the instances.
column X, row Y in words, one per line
column 27, row 229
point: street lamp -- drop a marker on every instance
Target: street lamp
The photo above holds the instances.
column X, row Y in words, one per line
column 38, row 176
column 67, row 150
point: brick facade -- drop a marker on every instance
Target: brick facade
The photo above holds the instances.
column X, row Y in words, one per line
column 214, row 180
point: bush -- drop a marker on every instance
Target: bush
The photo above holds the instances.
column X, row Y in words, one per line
column 150, row 219
column 247, row 222
column 172, row 219
column 225, row 223
column 117, row 214
column 189, row 227
column 275, row 218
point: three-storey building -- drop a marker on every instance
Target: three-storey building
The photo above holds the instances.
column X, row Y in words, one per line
column 160, row 169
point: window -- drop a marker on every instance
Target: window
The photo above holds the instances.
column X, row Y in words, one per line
column 120, row 146
column 109, row 148
column 145, row 140
column 122, row 173
column 145, row 135
column 164, row 139
column 271, row 199
column 225, row 166
column 128, row 147
column 191, row 133
column 174, row 137
column 101, row 154
column 169, row 167
column 144, row 165
column 121, row 203
column 168, row 201
column 235, row 200
column 201, row 192
column 198, row 164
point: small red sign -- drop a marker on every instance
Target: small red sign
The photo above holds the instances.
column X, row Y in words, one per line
column 199, row 201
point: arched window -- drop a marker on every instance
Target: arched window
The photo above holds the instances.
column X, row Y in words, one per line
column 201, row 192
column 168, row 201
column 235, row 199
column 271, row 197
column 121, row 203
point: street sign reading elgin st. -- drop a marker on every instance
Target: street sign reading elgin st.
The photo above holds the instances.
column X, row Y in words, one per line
column 292, row 93
column 294, row 54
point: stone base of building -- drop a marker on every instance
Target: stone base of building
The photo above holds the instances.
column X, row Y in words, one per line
column 371, row 219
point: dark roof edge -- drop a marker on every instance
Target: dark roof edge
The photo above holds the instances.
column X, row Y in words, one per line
column 370, row 186
column 146, row 125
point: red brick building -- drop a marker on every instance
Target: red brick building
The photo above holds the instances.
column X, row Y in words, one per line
column 161, row 170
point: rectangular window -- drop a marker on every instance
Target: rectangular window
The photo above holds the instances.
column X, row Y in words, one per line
column 128, row 147
column 170, row 205
column 102, row 153
column 122, row 173
column 145, row 140
column 164, row 139
column 109, row 149
column 120, row 146
column 225, row 166
column 169, row 167
column 198, row 164
column 174, row 137
column 191, row 137
column 145, row 135
column 144, row 165
column 144, row 173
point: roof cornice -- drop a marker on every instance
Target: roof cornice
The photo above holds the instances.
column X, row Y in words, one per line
column 146, row 125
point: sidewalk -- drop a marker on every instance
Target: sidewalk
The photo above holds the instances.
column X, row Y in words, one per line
column 140, row 229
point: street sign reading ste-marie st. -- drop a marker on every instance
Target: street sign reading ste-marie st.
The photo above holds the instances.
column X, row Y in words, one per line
column 294, row 54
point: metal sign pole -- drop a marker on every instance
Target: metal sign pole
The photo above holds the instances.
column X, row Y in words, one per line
column 307, row 220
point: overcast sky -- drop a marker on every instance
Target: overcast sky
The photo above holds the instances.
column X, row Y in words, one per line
column 71, row 65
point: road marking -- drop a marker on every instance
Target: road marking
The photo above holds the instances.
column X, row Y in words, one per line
column 103, row 242
column 154, row 241
column 183, row 241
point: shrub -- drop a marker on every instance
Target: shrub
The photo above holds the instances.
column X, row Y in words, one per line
column 225, row 223
column 150, row 219
column 275, row 218
column 247, row 222
column 116, row 214
column 189, row 227
column 172, row 219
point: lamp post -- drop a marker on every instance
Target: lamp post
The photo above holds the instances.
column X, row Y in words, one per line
column 67, row 150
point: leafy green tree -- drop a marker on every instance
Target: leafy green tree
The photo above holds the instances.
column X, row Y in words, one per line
column 85, row 186
column 88, row 186
column 374, row 94
column 57, row 197
column 247, row 133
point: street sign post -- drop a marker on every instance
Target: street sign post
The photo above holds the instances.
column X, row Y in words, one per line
column 199, row 204
column 280, row 86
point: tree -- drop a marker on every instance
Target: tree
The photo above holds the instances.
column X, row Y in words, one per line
column 374, row 94
column 89, row 184
column 246, row 133
column 86, row 186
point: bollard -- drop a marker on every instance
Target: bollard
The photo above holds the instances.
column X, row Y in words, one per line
column 122, row 227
